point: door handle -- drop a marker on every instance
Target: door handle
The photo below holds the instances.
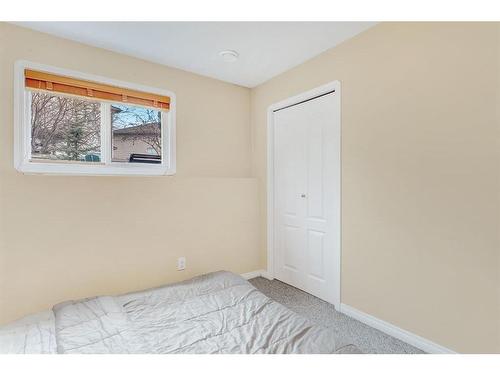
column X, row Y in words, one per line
column 302, row 195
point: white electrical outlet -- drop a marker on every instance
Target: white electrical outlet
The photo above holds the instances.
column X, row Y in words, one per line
column 181, row 264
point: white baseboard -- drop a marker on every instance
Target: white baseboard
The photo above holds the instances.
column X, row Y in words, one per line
column 254, row 274
column 265, row 275
column 405, row 336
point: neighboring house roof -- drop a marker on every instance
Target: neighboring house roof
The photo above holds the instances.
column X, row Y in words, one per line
column 143, row 129
column 115, row 109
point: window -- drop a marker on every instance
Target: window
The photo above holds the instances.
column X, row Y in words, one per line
column 135, row 130
column 72, row 123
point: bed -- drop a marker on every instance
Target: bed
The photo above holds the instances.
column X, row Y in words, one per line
column 215, row 313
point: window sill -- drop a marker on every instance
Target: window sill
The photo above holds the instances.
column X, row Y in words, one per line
column 95, row 170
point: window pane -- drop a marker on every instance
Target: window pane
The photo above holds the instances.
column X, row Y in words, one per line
column 136, row 134
column 65, row 128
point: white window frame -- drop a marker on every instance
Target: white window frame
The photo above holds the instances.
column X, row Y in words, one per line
column 22, row 131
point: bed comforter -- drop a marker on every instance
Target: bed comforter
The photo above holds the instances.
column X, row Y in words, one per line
column 214, row 313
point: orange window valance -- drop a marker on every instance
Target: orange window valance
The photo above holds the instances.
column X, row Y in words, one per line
column 74, row 86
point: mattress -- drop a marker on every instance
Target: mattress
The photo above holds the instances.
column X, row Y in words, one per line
column 214, row 313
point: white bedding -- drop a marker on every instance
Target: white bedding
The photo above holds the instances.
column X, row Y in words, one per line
column 34, row 334
column 215, row 313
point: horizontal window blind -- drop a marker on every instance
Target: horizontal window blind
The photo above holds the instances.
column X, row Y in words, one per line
column 73, row 86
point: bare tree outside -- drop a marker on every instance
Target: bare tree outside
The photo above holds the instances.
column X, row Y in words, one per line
column 64, row 128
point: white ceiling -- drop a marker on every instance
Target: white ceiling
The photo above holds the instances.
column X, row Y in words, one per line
column 266, row 49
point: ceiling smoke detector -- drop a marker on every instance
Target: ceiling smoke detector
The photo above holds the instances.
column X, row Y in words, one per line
column 229, row 55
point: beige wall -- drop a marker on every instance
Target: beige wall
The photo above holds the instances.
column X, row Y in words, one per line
column 420, row 175
column 71, row 237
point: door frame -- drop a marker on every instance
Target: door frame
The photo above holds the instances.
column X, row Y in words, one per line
column 271, row 217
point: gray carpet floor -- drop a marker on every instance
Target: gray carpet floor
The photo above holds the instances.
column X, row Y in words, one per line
column 349, row 330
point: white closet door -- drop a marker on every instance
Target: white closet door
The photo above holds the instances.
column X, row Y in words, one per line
column 307, row 204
